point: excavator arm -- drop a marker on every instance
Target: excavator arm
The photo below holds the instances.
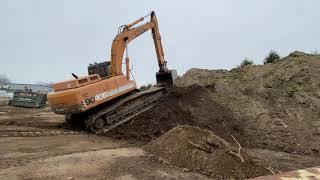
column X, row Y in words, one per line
column 128, row 33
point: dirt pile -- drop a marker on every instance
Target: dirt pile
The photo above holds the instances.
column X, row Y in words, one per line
column 200, row 150
column 182, row 106
column 274, row 106
column 278, row 104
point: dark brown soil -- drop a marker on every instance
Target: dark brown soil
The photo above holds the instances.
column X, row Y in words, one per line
column 270, row 109
column 199, row 150
column 278, row 104
column 273, row 106
column 181, row 106
column 194, row 106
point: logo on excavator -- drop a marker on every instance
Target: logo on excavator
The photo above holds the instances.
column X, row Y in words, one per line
column 89, row 101
column 107, row 94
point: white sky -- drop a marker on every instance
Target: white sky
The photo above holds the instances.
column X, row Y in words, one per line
column 46, row 40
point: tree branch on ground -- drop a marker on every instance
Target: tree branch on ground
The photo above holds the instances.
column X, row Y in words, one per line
column 270, row 170
column 237, row 154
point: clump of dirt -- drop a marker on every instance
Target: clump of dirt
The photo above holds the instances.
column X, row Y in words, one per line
column 200, row 150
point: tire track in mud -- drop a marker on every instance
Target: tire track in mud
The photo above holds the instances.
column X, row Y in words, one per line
column 37, row 133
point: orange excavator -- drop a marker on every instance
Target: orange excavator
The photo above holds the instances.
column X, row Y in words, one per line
column 107, row 98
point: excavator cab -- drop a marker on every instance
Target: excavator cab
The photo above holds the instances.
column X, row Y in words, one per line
column 166, row 78
column 102, row 69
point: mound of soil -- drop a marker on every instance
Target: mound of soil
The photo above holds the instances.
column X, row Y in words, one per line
column 278, row 103
column 200, row 150
column 274, row 106
column 182, row 106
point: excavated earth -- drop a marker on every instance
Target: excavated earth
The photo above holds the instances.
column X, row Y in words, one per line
column 200, row 150
column 274, row 106
column 33, row 145
column 272, row 109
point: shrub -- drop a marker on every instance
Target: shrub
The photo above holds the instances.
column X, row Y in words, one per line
column 272, row 57
column 246, row 62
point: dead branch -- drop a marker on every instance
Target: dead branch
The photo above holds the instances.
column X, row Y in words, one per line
column 197, row 146
column 240, row 147
column 236, row 154
column 239, row 150
column 269, row 168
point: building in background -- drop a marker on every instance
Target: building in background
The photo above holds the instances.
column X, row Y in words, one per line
column 11, row 87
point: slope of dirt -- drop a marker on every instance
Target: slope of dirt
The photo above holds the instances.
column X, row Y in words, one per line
column 182, row 106
column 200, row 150
column 274, row 106
column 278, row 104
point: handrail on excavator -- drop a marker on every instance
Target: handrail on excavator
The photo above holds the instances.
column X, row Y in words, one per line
column 139, row 20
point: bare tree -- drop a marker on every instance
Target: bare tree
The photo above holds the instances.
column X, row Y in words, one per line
column 4, row 79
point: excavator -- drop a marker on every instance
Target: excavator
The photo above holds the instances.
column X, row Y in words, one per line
column 107, row 97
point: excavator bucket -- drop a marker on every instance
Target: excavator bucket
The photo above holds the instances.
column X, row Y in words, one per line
column 166, row 78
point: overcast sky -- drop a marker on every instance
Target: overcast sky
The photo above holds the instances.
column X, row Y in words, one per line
column 46, row 40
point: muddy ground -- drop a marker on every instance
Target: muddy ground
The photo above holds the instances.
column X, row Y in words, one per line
column 64, row 154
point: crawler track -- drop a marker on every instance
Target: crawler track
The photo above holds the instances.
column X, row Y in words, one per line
column 121, row 111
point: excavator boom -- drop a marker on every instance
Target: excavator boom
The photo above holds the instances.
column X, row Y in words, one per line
column 126, row 34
